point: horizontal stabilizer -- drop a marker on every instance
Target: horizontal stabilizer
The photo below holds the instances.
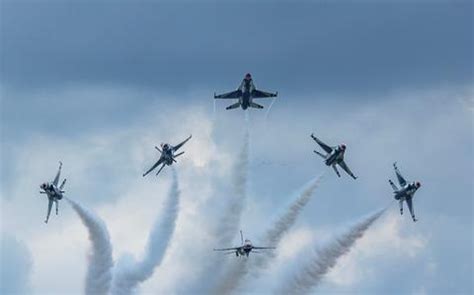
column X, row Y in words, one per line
column 62, row 184
column 322, row 156
column 255, row 105
column 233, row 106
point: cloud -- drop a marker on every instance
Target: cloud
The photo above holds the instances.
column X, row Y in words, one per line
column 16, row 265
column 424, row 130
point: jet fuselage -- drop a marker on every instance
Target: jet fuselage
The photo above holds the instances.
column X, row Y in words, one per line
column 51, row 191
column 335, row 157
column 167, row 154
column 406, row 192
column 246, row 87
column 245, row 249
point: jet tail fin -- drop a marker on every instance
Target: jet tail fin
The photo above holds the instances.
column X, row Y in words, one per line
column 255, row 105
column 161, row 168
column 322, row 156
column 395, row 188
column 62, row 184
column 233, row 106
column 335, row 170
column 241, row 237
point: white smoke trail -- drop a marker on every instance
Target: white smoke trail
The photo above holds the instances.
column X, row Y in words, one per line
column 130, row 274
column 272, row 238
column 228, row 224
column 268, row 110
column 326, row 258
column 214, row 111
column 99, row 270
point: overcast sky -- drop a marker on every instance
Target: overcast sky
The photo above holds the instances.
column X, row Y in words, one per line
column 98, row 84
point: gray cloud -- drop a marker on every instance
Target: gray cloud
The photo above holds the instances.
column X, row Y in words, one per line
column 344, row 47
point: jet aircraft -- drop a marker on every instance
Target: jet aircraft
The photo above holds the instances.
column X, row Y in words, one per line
column 53, row 192
column 245, row 94
column 167, row 156
column 405, row 193
column 334, row 156
column 245, row 249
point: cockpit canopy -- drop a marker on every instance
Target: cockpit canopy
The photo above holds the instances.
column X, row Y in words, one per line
column 165, row 146
column 343, row 147
column 44, row 185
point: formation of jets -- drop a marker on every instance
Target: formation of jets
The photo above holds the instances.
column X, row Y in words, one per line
column 245, row 248
column 246, row 93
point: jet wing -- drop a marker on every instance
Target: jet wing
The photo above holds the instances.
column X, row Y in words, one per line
column 400, row 178
column 346, row 168
column 228, row 249
column 233, row 94
column 50, row 205
column 264, row 248
column 410, row 207
column 262, row 94
column 175, row 148
column 324, row 146
column 154, row 166
column 56, row 179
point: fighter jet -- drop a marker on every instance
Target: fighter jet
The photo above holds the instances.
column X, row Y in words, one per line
column 406, row 192
column 334, row 156
column 167, row 155
column 53, row 192
column 245, row 94
column 245, row 249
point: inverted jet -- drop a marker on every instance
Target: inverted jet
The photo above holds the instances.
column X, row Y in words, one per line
column 334, row 156
column 405, row 193
column 167, row 155
column 245, row 248
column 245, row 94
column 53, row 192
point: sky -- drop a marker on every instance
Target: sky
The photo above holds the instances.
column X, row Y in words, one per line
column 97, row 84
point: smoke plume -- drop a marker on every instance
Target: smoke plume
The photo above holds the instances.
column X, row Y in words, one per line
column 325, row 258
column 130, row 274
column 272, row 238
column 99, row 270
column 228, row 224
